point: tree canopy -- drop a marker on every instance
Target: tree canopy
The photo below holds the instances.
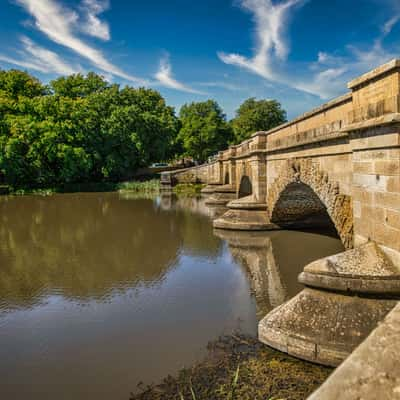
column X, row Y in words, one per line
column 79, row 129
column 256, row 115
column 204, row 129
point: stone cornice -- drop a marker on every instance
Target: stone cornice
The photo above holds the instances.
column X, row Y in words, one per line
column 324, row 107
column 388, row 119
column 377, row 72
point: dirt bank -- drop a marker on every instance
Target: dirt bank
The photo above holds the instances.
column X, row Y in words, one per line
column 240, row 367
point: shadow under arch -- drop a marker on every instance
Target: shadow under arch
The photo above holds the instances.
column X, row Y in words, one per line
column 298, row 206
column 226, row 180
column 245, row 187
column 303, row 194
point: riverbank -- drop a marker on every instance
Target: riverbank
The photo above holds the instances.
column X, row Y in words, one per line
column 152, row 186
column 240, row 367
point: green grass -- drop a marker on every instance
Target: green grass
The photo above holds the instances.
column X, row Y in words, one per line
column 151, row 186
column 188, row 188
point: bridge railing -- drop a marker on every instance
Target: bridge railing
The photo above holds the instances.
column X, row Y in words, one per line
column 374, row 110
column 308, row 136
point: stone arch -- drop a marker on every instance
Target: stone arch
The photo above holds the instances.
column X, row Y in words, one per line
column 304, row 178
column 245, row 187
column 226, row 179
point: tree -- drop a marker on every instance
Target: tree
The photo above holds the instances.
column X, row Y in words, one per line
column 82, row 129
column 204, row 129
column 78, row 85
column 256, row 115
column 14, row 83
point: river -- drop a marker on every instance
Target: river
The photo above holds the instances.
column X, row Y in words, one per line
column 102, row 291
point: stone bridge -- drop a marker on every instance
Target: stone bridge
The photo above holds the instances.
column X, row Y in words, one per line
column 342, row 158
column 337, row 165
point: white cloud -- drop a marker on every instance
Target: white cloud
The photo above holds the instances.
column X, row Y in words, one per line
column 270, row 25
column 58, row 24
column 327, row 76
column 92, row 25
column 332, row 72
column 325, row 83
column 223, row 85
column 389, row 25
column 40, row 59
column 165, row 77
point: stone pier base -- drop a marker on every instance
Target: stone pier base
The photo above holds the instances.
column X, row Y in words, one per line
column 372, row 372
column 246, row 214
column 222, row 195
column 322, row 327
column 347, row 295
column 210, row 188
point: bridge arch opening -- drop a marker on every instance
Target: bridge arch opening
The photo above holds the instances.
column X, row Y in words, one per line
column 226, row 180
column 245, row 187
column 299, row 207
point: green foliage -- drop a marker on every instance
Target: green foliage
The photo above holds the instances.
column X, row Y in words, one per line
column 204, row 129
column 188, row 189
column 151, row 186
column 256, row 115
column 14, row 83
column 78, row 85
column 80, row 129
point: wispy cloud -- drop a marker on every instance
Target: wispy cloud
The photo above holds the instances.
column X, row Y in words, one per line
column 223, row 85
column 39, row 59
column 270, row 27
column 165, row 77
column 92, row 25
column 59, row 25
column 331, row 72
column 324, row 78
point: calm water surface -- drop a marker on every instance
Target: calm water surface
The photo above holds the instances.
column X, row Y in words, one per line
column 99, row 292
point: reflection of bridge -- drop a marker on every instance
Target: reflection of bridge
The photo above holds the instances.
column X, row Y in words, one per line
column 339, row 163
column 254, row 250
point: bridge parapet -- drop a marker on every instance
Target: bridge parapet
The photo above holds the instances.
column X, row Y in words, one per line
column 325, row 132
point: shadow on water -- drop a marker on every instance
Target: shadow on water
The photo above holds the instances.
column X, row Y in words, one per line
column 100, row 291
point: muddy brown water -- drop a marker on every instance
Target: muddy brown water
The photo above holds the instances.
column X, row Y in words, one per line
column 102, row 291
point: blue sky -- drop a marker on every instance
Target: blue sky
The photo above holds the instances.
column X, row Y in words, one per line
column 300, row 52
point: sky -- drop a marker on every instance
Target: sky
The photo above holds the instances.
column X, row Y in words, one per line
column 299, row 52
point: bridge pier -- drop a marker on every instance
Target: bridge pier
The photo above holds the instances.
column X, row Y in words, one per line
column 249, row 211
column 345, row 298
column 210, row 188
column 222, row 195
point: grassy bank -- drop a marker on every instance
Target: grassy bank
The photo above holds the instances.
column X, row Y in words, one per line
column 188, row 188
column 151, row 186
column 242, row 368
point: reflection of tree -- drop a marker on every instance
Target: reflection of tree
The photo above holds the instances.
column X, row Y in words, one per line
column 87, row 244
column 196, row 227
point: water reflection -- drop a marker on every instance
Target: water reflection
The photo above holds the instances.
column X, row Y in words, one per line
column 274, row 259
column 254, row 251
column 100, row 291
column 81, row 245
